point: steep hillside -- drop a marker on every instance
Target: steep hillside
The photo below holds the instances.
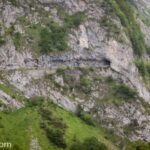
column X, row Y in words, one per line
column 24, row 128
column 90, row 57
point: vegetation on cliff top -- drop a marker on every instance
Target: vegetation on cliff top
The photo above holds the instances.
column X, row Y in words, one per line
column 123, row 10
column 54, row 37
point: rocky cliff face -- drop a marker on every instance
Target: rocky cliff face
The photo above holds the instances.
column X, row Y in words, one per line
column 93, row 44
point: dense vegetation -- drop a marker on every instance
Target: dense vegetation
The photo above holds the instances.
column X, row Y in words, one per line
column 54, row 127
column 124, row 92
column 88, row 144
column 138, row 145
column 53, row 38
column 18, row 40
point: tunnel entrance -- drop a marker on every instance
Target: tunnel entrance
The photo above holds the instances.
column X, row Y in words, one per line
column 106, row 62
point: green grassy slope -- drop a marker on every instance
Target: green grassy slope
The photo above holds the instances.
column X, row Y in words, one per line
column 21, row 126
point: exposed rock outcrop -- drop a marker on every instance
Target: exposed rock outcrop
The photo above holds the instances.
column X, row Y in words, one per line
column 90, row 46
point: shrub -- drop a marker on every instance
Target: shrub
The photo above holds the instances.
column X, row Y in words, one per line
column 89, row 144
column 83, row 85
column 109, row 79
column 56, row 137
column 54, row 127
column 18, row 40
column 104, row 21
column 138, row 145
column 14, row 2
column 2, row 40
column 35, row 101
column 60, row 71
column 93, row 143
column 84, row 81
column 10, row 30
column 124, row 92
column 46, row 114
column 87, row 119
column 16, row 147
column 143, row 68
column 84, row 116
column 53, row 39
column 74, row 21
column 79, row 111
column 1, row 125
column 109, row 25
column 58, row 123
column 77, row 146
